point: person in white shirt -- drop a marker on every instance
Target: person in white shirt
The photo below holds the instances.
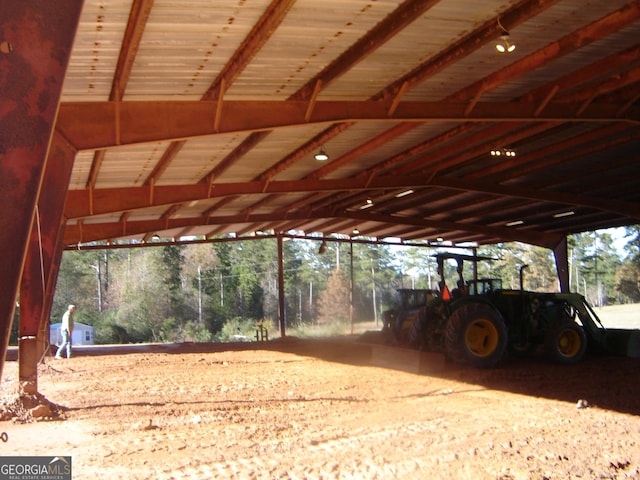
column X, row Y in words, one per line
column 66, row 329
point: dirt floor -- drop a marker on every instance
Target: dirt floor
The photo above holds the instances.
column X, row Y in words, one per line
column 315, row 409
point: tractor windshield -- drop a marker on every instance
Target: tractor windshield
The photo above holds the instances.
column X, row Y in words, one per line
column 410, row 298
column 484, row 285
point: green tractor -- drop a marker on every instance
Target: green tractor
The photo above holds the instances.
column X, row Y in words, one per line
column 478, row 321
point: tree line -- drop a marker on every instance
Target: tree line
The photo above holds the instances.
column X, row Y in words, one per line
column 214, row 291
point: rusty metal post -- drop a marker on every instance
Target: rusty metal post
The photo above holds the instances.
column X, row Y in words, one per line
column 281, row 303
column 36, row 39
column 44, row 252
column 562, row 265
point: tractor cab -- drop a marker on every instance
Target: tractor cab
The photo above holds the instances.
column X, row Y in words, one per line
column 475, row 286
column 407, row 301
column 484, row 286
column 408, row 298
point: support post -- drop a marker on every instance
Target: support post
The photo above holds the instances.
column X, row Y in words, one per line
column 281, row 304
column 44, row 252
column 32, row 72
column 561, row 255
column 351, row 284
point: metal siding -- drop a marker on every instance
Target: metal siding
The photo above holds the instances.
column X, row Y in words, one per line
column 95, row 52
column 311, row 36
column 186, row 44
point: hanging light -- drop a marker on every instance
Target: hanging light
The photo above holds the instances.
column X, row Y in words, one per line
column 506, row 152
column 504, row 44
column 368, row 204
column 356, row 231
column 321, row 156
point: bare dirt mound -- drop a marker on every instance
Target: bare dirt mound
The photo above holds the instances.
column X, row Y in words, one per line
column 317, row 410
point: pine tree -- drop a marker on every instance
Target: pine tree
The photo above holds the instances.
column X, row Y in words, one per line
column 334, row 304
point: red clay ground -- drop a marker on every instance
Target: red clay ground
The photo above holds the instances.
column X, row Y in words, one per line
column 314, row 410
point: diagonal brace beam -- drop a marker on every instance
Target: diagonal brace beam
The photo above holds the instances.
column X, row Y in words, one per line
column 93, row 125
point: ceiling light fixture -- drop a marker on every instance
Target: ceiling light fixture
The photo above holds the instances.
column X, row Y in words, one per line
column 564, row 214
column 404, row 194
column 368, row 204
column 515, row 223
column 504, row 45
column 321, row 156
column 500, row 152
column 356, row 231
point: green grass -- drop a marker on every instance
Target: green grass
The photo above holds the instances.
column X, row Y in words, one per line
column 620, row 316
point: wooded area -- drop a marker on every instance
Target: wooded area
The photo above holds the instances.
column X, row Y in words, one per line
column 214, row 291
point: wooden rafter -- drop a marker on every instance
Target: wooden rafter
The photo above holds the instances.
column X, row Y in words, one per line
column 97, row 231
column 603, row 93
column 402, row 16
column 252, row 44
column 138, row 17
column 135, row 198
column 574, row 40
column 150, row 121
column 490, row 30
column 569, row 42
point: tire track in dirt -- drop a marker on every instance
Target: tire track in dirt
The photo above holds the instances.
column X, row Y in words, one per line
column 328, row 457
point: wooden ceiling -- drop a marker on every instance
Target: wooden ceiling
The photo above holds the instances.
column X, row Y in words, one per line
column 202, row 118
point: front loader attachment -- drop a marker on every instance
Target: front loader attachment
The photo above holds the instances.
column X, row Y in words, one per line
column 622, row 342
column 616, row 341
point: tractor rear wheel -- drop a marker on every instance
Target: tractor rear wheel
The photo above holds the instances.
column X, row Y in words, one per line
column 566, row 342
column 476, row 334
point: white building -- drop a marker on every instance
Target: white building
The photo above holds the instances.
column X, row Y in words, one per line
column 82, row 334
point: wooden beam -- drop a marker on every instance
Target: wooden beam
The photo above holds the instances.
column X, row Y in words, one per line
column 114, row 200
column 545, row 94
column 401, row 17
column 629, row 209
column 263, row 29
column 90, row 125
column 100, row 231
column 251, row 45
column 138, row 16
column 167, row 157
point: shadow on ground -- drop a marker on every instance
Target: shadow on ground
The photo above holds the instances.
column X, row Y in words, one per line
column 604, row 381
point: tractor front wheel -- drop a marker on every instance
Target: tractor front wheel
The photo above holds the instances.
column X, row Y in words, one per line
column 476, row 334
column 566, row 341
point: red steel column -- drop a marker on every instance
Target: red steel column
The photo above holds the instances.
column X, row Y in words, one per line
column 35, row 44
column 44, row 252
column 562, row 265
column 281, row 302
